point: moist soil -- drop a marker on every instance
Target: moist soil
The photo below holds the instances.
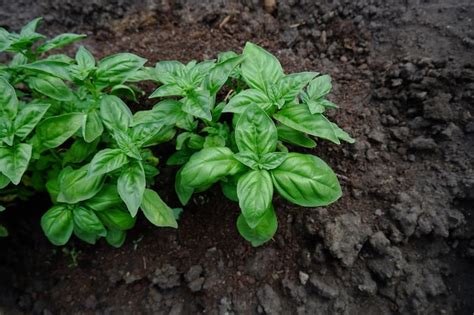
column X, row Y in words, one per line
column 400, row 240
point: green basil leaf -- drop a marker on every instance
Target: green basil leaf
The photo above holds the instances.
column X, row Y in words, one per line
column 255, row 192
column 28, row 117
column 106, row 161
column 306, row 180
column 198, row 104
column 115, row 237
column 8, row 100
column 229, row 189
column 166, row 112
column 127, row 145
column 256, row 132
column 298, row 117
column 327, row 103
column 248, row 158
column 92, row 127
column 296, row 137
column 118, row 68
column 56, row 69
column 179, row 157
column 219, row 74
column 240, row 102
column 319, row 87
column 315, row 107
column 209, row 165
column 341, row 134
column 114, row 218
column 166, row 71
column 272, row 160
column 31, row 27
column 131, row 185
column 105, row 199
column 156, row 211
column 57, row 224
column 263, row 232
column 52, row 87
column 54, row 131
column 84, row 58
column 3, row 230
column 184, row 192
column 14, row 161
column 115, row 114
column 5, row 41
column 167, row 90
column 4, row 181
column 79, row 151
column 87, row 225
column 259, row 67
column 291, row 85
column 60, row 41
column 77, row 185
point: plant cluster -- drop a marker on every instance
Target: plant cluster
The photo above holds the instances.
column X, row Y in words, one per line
column 66, row 130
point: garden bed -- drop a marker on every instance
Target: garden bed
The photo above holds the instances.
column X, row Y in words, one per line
column 400, row 240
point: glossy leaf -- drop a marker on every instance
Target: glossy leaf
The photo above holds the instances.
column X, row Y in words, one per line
column 51, row 87
column 260, row 67
column 306, row 180
column 58, row 69
column 28, row 117
column 118, row 68
column 298, row 117
column 256, row 132
column 263, row 232
column 57, row 224
column 14, row 161
column 131, row 185
column 319, row 87
column 255, row 192
column 156, row 211
column 107, row 198
column 8, row 100
column 115, row 237
column 87, row 225
column 209, row 165
column 198, row 104
column 92, row 127
column 115, row 218
column 295, row 137
column 77, row 185
column 106, row 161
column 184, row 192
column 115, row 114
column 272, row 160
column 60, row 41
column 240, row 102
column 54, row 131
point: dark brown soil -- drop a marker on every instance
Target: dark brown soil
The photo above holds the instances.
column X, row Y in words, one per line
column 400, row 240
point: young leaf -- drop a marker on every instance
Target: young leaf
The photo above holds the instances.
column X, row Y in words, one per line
column 256, row 132
column 92, row 127
column 291, row 85
column 240, row 102
column 51, row 87
column 167, row 90
column 131, row 185
column 306, row 180
column 229, row 189
column 156, row 211
column 219, row 74
column 87, row 225
column 14, row 161
column 84, row 59
column 263, row 232
column 198, row 104
column 60, row 41
column 166, row 112
column 28, row 117
column 57, row 224
column 255, row 192
column 54, row 131
column 298, row 117
column 115, row 114
column 248, row 158
column 76, row 185
column 272, row 160
column 8, row 100
column 259, row 67
column 209, row 165
column 118, row 68
column 341, row 134
column 295, row 137
column 319, row 87
column 106, row 161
